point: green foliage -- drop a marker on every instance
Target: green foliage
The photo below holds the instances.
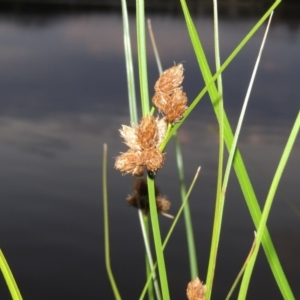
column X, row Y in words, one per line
column 235, row 160
column 9, row 278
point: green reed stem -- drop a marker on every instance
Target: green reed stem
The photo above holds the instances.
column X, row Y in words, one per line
column 268, row 204
column 106, row 227
column 157, row 240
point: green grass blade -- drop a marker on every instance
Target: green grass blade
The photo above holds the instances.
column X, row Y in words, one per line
column 241, row 272
column 129, row 65
column 134, row 119
column 239, row 166
column 9, row 278
column 187, row 214
column 142, row 55
column 179, row 160
column 144, row 227
column 266, row 211
column 106, row 227
column 157, row 240
column 221, row 201
column 220, row 102
column 205, row 70
column 154, row 46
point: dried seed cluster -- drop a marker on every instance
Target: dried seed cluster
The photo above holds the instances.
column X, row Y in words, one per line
column 143, row 141
column 169, row 97
column 196, row 290
column 139, row 198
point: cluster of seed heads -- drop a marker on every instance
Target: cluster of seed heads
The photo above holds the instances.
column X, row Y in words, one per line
column 145, row 139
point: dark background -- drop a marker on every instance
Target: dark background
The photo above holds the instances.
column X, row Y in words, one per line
column 63, row 95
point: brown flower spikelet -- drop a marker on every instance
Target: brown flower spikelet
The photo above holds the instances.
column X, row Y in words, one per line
column 161, row 130
column 153, row 159
column 161, row 100
column 196, row 290
column 129, row 162
column 163, row 205
column 139, row 198
column 170, row 80
column 129, row 134
column 143, row 141
column 175, row 109
column 147, row 135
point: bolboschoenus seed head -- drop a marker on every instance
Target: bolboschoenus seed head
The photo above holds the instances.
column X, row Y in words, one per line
column 170, row 80
column 169, row 98
column 196, row 290
column 143, row 141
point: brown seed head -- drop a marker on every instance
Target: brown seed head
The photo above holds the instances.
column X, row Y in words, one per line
column 161, row 130
column 175, row 109
column 170, row 80
column 153, row 159
column 196, row 290
column 163, row 205
column 129, row 162
column 161, row 100
column 147, row 135
column 129, row 134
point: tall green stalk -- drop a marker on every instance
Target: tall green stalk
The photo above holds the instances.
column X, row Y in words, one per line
column 239, row 166
column 268, row 204
column 106, row 227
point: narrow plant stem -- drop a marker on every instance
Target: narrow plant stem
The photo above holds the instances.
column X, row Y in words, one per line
column 148, row 252
column 267, row 207
column 157, row 241
column 154, row 46
column 129, row 65
column 219, row 111
column 106, row 227
column 220, row 208
column 242, row 270
column 9, row 278
column 186, row 212
column 148, row 268
column 142, row 55
column 172, row 227
column 239, row 166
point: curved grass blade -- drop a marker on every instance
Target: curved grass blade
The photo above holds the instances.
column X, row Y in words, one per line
column 106, row 227
column 9, row 278
column 240, row 169
column 268, row 204
column 242, row 270
column 221, row 201
column 239, row 166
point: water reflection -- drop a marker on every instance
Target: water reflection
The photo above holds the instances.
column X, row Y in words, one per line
column 63, row 94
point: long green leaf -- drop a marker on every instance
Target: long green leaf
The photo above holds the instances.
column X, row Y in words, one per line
column 106, row 227
column 266, row 211
column 129, row 65
column 9, row 278
column 239, row 166
column 221, row 201
column 157, row 240
column 142, row 55
column 173, row 227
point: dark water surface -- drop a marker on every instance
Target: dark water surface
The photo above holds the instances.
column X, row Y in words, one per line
column 63, row 94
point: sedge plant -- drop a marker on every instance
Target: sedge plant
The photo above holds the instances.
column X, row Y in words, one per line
column 147, row 140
